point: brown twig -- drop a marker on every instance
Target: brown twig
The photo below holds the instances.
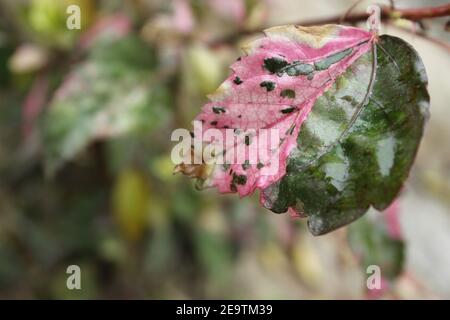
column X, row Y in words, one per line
column 387, row 13
column 349, row 10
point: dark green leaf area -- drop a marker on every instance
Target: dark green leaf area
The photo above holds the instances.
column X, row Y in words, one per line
column 356, row 151
column 281, row 66
column 274, row 64
column 239, row 179
column 237, row 81
column 269, row 85
column 288, row 93
column 288, row 110
column 247, row 140
column 370, row 241
column 218, row 110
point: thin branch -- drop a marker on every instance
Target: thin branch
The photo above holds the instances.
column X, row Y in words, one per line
column 347, row 13
column 387, row 13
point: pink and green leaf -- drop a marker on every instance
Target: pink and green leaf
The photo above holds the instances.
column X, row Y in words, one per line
column 349, row 108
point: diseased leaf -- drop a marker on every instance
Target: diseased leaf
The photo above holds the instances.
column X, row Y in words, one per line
column 274, row 87
column 349, row 107
column 356, row 151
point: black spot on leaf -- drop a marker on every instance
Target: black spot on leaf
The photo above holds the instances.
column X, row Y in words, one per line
column 288, row 110
column 274, row 64
column 269, row 85
column 218, row 110
column 239, row 179
column 237, row 80
column 246, row 165
column 291, row 130
column 288, row 93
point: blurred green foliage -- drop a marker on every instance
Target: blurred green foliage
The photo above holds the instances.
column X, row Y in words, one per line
column 373, row 245
column 85, row 170
column 114, row 91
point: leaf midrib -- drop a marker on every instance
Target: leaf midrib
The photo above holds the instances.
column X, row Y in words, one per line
column 354, row 117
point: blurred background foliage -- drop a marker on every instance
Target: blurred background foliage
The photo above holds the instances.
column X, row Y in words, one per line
column 86, row 176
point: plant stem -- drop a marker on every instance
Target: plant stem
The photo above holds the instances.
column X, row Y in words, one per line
column 387, row 13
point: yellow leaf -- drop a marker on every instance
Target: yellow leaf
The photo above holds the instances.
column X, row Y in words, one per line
column 204, row 69
column 131, row 200
column 307, row 263
column 47, row 19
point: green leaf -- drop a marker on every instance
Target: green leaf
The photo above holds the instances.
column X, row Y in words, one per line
column 112, row 93
column 370, row 241
column 357, row 146
column 214, row 254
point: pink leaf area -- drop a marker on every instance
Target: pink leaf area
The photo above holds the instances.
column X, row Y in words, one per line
column 392, row 220
column 274, row 86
